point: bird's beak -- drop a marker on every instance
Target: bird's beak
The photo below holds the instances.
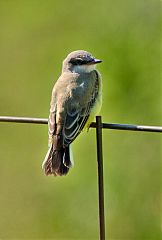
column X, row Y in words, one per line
column 95, row 61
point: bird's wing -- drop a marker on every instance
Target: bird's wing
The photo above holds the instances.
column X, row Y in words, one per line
column 52, row 123
column 76, row 117
column 74, row 123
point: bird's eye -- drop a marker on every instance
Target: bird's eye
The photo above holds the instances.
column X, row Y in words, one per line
column 77, row 61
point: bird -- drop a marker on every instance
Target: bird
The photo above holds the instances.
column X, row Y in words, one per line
column 76, row 100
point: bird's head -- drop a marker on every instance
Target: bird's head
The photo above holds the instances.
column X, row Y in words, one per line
column 80, row 61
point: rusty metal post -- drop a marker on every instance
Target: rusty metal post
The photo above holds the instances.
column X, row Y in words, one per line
column 100, row 177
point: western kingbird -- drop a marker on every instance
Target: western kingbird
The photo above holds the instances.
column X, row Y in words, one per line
column 76, row 99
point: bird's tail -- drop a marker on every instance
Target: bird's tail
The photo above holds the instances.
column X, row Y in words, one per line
column 57, row 162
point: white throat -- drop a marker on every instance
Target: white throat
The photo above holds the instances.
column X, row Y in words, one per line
column 84, row 68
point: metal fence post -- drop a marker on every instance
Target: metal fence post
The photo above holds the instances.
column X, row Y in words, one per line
column 100, row 176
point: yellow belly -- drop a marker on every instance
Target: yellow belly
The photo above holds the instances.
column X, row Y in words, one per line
column 95, row 110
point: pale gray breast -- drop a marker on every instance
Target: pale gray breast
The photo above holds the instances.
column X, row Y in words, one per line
column 83, row 90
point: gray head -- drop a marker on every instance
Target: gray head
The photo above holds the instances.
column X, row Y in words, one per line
column 80, row 61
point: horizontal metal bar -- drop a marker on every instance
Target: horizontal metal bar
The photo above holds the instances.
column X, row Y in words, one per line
column 115, row 126
column 129, row 127
column 23, row 120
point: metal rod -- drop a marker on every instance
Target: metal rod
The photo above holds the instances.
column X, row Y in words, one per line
column 115, row 126
column 23, row 120
column 100, row 177
column 129, row 127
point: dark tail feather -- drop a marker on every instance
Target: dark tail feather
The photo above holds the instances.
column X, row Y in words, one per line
column 57, row 162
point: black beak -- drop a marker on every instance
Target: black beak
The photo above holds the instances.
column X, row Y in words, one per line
column 95, row 61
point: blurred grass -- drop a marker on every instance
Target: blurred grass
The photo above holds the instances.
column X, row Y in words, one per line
column 35, row 36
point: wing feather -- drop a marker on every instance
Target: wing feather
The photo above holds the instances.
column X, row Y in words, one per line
column 75, row 117
column 75, row 123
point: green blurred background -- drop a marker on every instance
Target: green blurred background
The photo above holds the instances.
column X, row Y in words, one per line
column 35, row 36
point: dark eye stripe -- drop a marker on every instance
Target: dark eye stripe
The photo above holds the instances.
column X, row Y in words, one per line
column 78, row 61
